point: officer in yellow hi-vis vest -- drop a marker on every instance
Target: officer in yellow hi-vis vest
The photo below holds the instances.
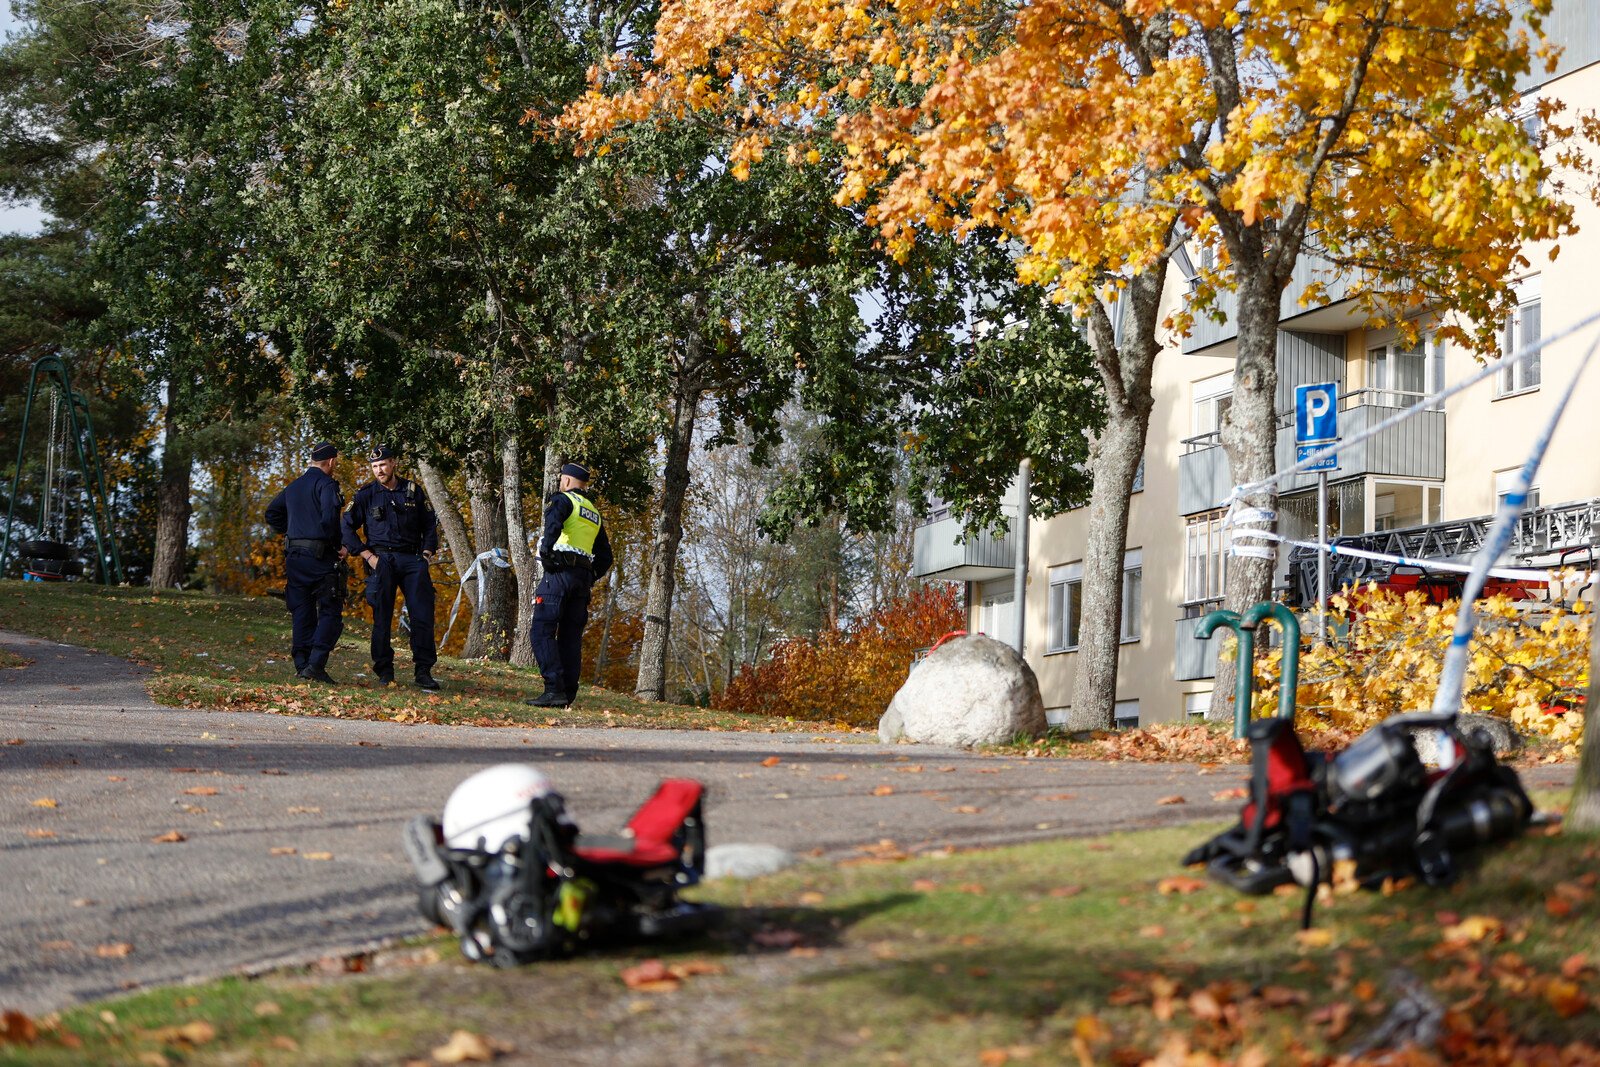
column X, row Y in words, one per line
column 576, row 553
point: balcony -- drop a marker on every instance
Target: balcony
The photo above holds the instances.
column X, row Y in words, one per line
column 1192, row 658
column 1334, row 313
column 943, row 548
column 1413, row 449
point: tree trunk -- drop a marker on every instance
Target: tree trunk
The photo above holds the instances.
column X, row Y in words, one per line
column 490, row 637
column 173, row 506
column 453, row 530
column 654, row 646
column 1249, row 434
column 522, row 564
column 1583, row 813
column 1127, row 373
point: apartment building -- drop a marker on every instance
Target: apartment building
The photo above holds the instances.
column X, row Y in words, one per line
column 1441, row 467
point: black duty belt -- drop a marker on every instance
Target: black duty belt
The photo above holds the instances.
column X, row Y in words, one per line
column 316, row 544
column 403, row 549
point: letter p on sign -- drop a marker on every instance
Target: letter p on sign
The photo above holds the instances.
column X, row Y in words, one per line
column 1316, row 410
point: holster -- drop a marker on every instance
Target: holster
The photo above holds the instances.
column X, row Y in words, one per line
column 334, row 585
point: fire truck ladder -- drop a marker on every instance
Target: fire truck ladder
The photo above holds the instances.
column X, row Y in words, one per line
column 1552, row 536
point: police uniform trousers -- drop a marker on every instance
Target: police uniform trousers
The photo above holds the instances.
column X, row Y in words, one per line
column 560, row 612
column 314, row 594
column 407, row 572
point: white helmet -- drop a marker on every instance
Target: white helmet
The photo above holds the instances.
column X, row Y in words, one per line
column 492, row 806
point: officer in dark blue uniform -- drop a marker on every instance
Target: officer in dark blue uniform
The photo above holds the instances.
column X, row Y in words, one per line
column 307, row 513
column 402, row 536
column 576, row 553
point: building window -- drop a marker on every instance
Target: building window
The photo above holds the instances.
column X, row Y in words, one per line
column 1205, row 558
column 1127, row 714
column 1195, row 705
column 1138, row 478
column 1399, row 505
column 1065, row 606
column 1212, row 398
column 1066, row 596
column 1132, row 595
column 1505, row 481
column 1523, row 330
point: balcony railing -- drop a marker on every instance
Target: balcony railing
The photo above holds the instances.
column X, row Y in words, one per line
column 1413, row 449
column 1308, row 268
column 943, row 548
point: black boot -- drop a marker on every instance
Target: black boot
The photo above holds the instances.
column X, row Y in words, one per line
column 425, row 681
column 383, row 677
column 318, row 674
column 550, row 698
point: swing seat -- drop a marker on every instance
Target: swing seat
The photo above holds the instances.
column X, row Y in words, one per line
column 44, row 550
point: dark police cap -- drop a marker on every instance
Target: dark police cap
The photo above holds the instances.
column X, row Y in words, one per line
column 380, row 451
column 575, row 470
column 323, row 450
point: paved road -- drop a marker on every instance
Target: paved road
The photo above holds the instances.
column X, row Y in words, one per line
column 82, row 879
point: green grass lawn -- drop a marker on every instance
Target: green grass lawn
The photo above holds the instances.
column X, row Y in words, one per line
column 1063, row 952
column 231, row 652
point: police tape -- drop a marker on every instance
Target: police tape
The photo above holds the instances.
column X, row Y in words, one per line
column 496, row 556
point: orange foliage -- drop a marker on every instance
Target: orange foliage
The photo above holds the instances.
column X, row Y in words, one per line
column 848, row 674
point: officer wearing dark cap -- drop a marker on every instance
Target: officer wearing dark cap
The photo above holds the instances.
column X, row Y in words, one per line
column 402, row 535
column 576, row 553
column 307, row 513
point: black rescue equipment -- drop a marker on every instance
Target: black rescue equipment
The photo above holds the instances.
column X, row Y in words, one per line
column 1374, row 805
column 509, row 872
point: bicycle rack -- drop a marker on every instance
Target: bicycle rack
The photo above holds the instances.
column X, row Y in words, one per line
column 1244, row 631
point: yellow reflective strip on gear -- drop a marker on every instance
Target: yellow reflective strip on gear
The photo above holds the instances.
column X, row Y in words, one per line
column 582, row 527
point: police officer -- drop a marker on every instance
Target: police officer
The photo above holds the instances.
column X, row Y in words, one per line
column 576, row 553
column 402, row 535
column 307, row 513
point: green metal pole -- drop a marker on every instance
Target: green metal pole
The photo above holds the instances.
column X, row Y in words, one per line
column 16, row 475
column 83, row 465
column 1246, row 638
column 1289, row 680
column 100, row 479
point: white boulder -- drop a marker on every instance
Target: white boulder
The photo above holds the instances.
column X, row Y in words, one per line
column 969, row 691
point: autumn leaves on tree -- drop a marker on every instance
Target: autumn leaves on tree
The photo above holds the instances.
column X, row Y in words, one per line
column 1384, row 138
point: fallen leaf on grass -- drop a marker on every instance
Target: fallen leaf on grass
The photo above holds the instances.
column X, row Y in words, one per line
column 40, row 833
column 924, row 885
column 171, row 837
column 116, row 950
column 1565, row 997
column 195, row 1033
column 812, row 898
column 1231, row 794
column 1152, row 931
column 1576, row 966
column 1474, row 928
column 46, row 802
column 266, row 1009
column 1066, row 890
column 115, row 778
column 465, row 1046
column 285, row 1042
column 283, row 850
column 1317, row 937
column 883, row 791
column 318, row 855
column 17, row 1029
column 202, row 791
column 835, row 777
column 967, row 809
column 772, row 761
column 651, row 976
column 16, row 741
column 1336, row 1017
column 1173, row 799
column 1180, row 883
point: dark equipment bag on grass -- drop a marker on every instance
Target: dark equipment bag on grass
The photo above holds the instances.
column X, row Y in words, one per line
column 1374, row 805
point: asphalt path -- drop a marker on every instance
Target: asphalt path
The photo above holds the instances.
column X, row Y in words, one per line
column 290, row 825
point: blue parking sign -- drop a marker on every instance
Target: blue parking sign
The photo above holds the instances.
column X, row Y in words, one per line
column 1316, row 413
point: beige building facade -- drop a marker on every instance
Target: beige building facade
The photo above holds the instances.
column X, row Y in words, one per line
column 1437, row 470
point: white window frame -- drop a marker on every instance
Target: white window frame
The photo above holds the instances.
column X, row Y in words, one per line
column 1206, row 528
column 1062, row 604
column 1503, row 483
column 1208, row 393
column 1524, row 325
column 1196, row 706
column 1132, row 597
column 1427, row 488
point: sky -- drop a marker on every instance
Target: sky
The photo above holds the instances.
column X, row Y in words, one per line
column 18, row 218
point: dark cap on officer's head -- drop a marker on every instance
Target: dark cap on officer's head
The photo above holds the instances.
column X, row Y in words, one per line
column 380, row 451
column 323, row 450
column 575, row 470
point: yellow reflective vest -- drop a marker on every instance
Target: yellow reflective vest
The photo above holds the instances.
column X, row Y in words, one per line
column 578, row 533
